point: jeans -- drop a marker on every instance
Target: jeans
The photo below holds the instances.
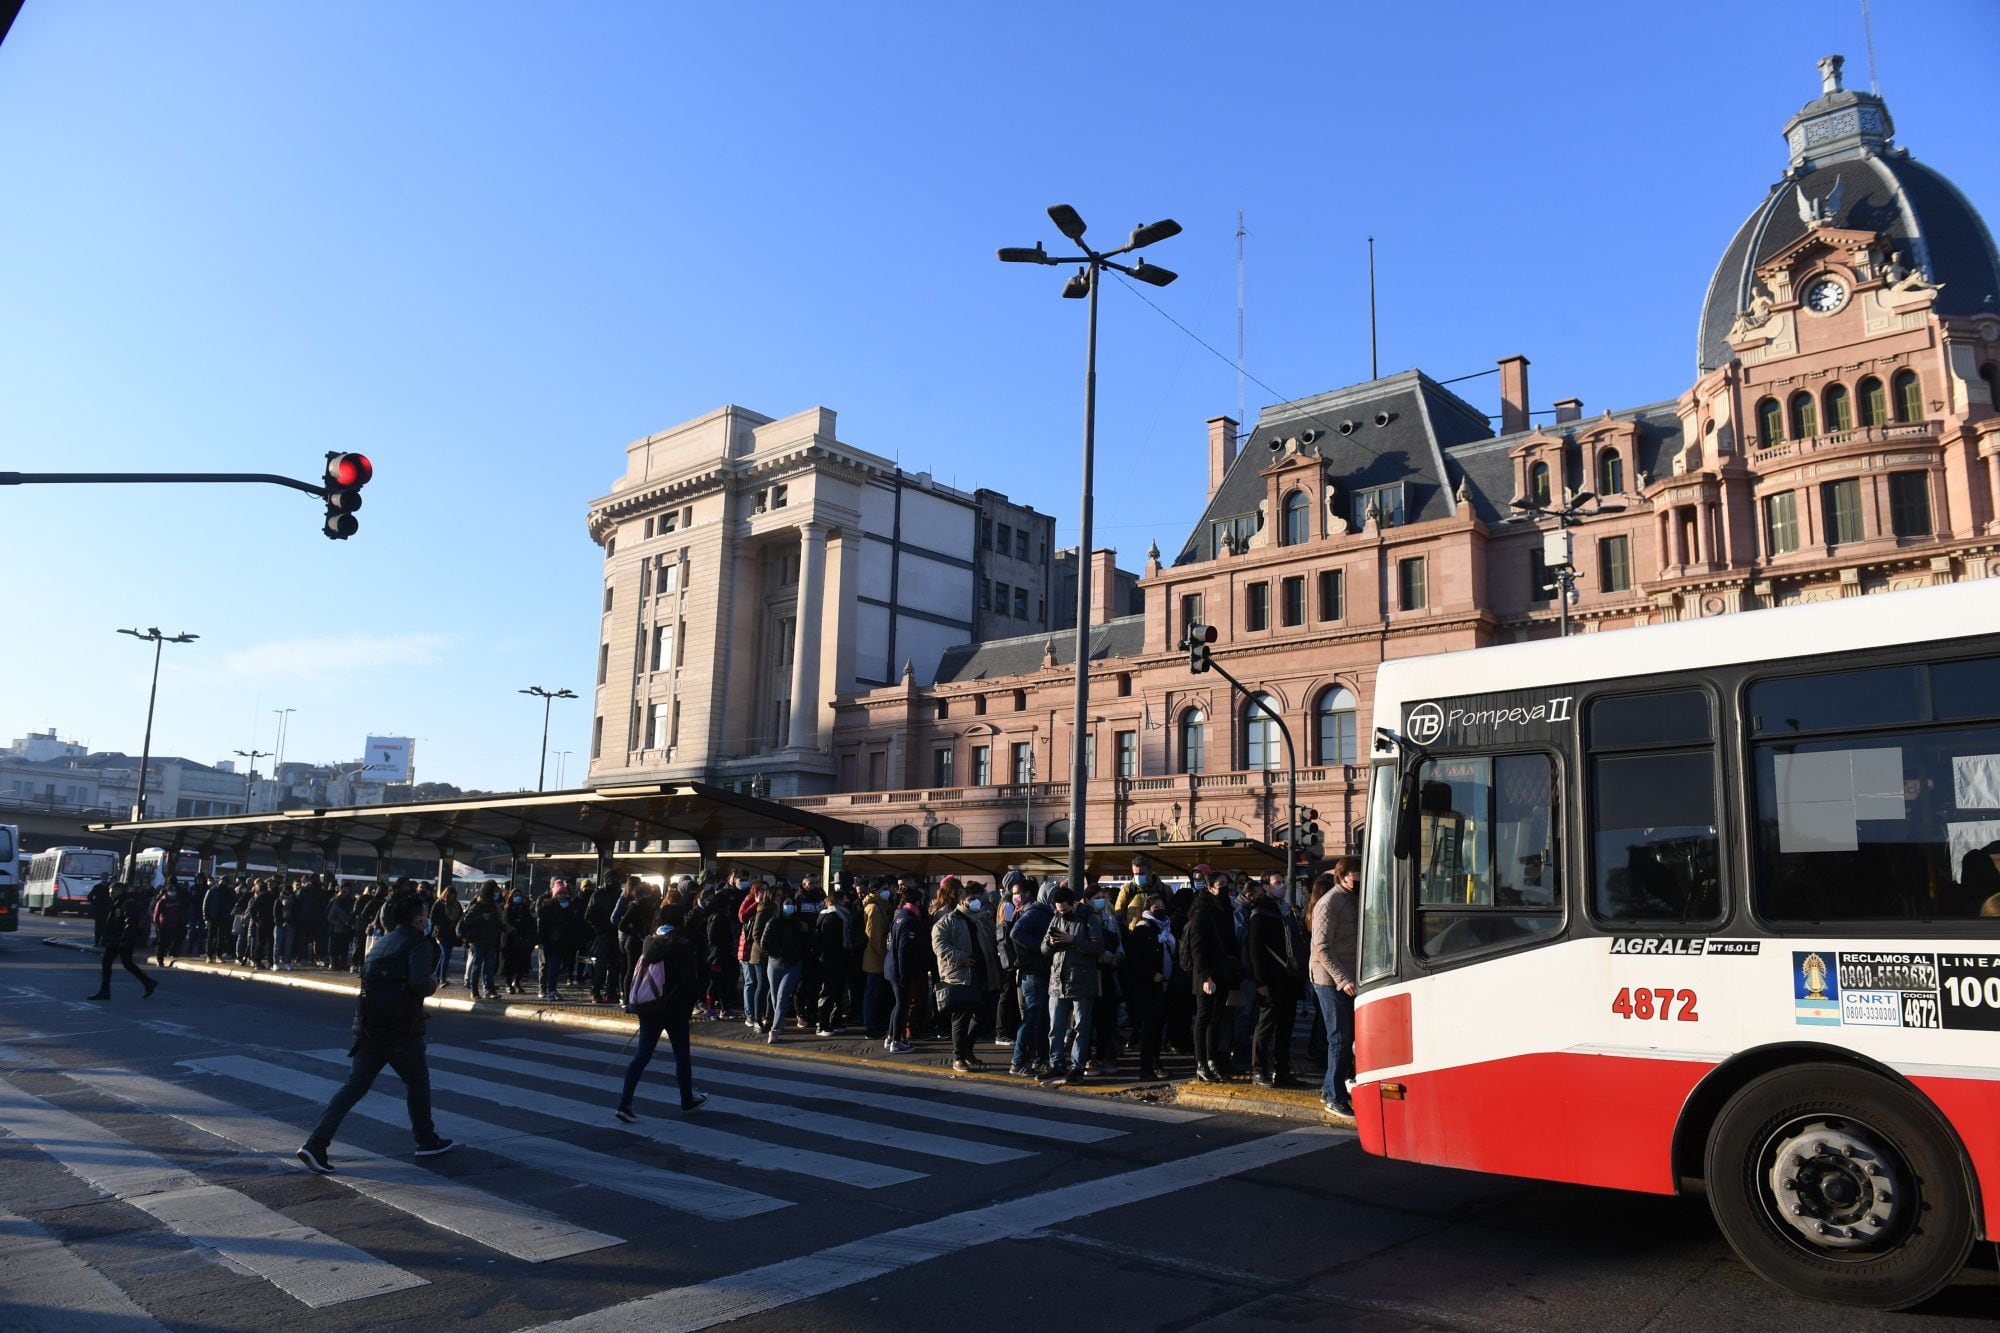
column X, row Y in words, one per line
column 874, row 1006
column 676, row 1027
column 1336, row 1007
column 481, row 964
column 406, row 1057
column 903, row 1014
column 756, row 990
column 444, row 948
column 287, row 940
column 551, row 969
column 1065, row 1034
column 784, row 981
column 1031, row 1040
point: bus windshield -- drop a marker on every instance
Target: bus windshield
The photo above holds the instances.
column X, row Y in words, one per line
column 1378, row 912
column 88, row 864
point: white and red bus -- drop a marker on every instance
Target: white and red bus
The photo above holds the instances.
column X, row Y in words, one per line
column 1710, row 905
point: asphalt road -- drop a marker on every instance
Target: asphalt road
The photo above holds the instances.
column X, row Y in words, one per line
column 145, row 1181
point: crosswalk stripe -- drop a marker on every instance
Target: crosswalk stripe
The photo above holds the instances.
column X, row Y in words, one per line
column 713, row 1053
column 46, row 1288
column 697, row 1139
column 789, row 1281
column 842, row 1128
column 670, row 1189
column 511, row 1228
column 307, row 1265
column 947, row 1109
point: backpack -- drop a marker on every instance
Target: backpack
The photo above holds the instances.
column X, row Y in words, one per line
column 386, row 1011
column 649, row 996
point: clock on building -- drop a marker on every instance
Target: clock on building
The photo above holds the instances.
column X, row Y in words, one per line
column 1825, row 295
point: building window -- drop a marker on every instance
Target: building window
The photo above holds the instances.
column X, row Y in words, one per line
column 779, row 494
column 1020, row 701
column 663, row 645
column 986, row 533
column 985, row 595
column 943, row 709
column 1610, row 472
column 940, row 768
column 646, row 532
column 1333, row 726
column 1190, row 611
column 904, row 835
column 1781, row 523
column 1387, row 500
column 1332, row 595
column 1257, row 606
column 669, row 521
column 1840, row 501
column 1013, row 833
column 1006, row 542
column 1805, row 416
column 1991, row 374
column 1020, row 603
column 1194, row 740
column 1024, row 762
column 1020, row 543
column 1128, row 754
column 1090, row 754
column 1909, row 391
column 669, row 579
column 1539, row 485
column 1002, row 598
column 945, row 835
column 1874, row 402
column 603, row 662
column 1770, row 422
column 1910, row 504
column 1839, row 409
column 1298, row 519
column 658, row 719
column 1262, row 749
column 1411, row 592
column 607, row 597
column 1541, row 584
column 1292, row 600
column 1614, row 564
column 1232, row 535
column 979, row 705
column 597, row 737
column 982, row 765
column 1124, row 684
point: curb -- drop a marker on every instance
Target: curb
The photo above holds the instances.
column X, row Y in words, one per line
column 1279, row 1104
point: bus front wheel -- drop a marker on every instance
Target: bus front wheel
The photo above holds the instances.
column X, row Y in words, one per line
column 1836, row 1184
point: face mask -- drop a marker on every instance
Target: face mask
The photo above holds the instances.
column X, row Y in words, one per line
column 885, row 895
column 1098, row 903
column 789, row 908
column 517, row 897
column 975, row 903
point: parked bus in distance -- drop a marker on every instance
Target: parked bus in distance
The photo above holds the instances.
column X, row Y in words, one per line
column 60, row 879
column 147, row 867
column 1704, row 906
column 10, row 878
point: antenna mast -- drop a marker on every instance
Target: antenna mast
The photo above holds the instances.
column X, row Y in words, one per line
column 1868, row 30
column 1374, row 371
column 1240, row 234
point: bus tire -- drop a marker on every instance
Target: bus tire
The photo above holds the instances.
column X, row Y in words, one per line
column 1836, row 1184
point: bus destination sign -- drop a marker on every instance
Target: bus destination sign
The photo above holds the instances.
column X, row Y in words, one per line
column 1490, row 719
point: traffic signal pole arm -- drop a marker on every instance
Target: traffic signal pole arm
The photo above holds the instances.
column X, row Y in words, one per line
column 156, row 478
column 1208, row 663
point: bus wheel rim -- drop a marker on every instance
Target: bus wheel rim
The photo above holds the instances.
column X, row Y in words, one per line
column 1837, row 1185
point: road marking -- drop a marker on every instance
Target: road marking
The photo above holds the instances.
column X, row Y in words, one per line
column 947, row 1109
column 511, row 1228
column 793, row 1280
column 685, row 1135
column 1080, row 1104
column 69, row 1296
column 835, row 1127
column 670, row 1189
column 309, row 1266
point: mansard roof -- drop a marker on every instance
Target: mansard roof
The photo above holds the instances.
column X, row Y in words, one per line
column 1023, row 655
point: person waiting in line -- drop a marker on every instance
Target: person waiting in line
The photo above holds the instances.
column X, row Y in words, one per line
column 555, row 927
column 1275, row 973
column 830, row 933
column 1136, row 891
column 1208, row 947
column 169, row 923
column 962, row 969
column 805, row 1000
column 517, row 941
column 125, row 926
column 263, row 925
column 978, row 906
column 1031, row 1038
column 339, row 927
column 1072, row 944
column 906, row 969
column 782, row 942
column 1149, row 960
column 606, row 977
column 483, row 931
column 217, row 906
column 723, row 932
column 1104, row 1010
column 1336, row 939
column 445, row 916
column 397, row 976
column 662, row 996
column 878, row 911
column 753, row 914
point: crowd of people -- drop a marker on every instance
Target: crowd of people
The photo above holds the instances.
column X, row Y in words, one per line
column 1227, row 969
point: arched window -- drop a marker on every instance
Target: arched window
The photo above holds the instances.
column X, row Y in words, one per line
column 1839, row 413
column 1874, row 402
column 1909, row 392
column 1148, row 835
column 1013, row 833
column 903, row 835
column 1610, row 473
column 1333, row 726
column 1538, row 484
column 1223, row 833
column 1770, row 422
column 1058, row 834
column 1298, row 519
column 945, row 835
column 1194, row 740
column 1262, row 749
column 1805, row 416
column 871, row 836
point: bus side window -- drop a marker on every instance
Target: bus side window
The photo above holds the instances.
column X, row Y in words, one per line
column 1487, row 864
column 1655, row 842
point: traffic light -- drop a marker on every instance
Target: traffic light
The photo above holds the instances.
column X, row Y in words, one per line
column 1199, row 637
column 346, row 474
column 1311, row 841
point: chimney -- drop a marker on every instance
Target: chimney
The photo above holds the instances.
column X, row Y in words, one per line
column 1104, row 582
column 1513, row 394
column 1221, row 451
column 1569, row 409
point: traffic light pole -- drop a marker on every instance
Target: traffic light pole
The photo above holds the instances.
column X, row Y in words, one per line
column 1291, row 773
column 155, row 479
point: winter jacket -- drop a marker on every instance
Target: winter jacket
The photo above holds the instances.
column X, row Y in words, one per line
column 125, row 924
column 557, row 922
column 1211, row 939
column 445, row 917
column 1031, row 925
column 956, row 949
column 480, row 926
column 340, row 916
column 906, row 964
column 876, row 916
column 830, row 940
column 684, row 979
column 219, row 905
column 723, row 935
column 518, row 926
column 1145, row 958
column 984, row 936
column 1072, row 945
column 1113, row 957
column 169, row 914
column 1336, row 938
column 1267, row 949
column 1132, row 898
column 780, row 938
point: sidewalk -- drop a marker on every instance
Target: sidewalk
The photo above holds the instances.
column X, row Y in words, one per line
column 930, row 1057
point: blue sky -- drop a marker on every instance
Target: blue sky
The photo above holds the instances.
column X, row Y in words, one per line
column 488, row 244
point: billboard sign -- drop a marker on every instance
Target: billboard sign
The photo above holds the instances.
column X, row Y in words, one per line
column 387, row 759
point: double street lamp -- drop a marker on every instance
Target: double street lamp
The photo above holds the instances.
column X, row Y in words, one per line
column 159, row 641
column 1558, row 548
column 548, row 698
column 1084, row 283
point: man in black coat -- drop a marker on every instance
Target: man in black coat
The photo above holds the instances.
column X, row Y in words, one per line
column 830, row 932
column 125, row 930
column 217, row 907
column 1275, row 972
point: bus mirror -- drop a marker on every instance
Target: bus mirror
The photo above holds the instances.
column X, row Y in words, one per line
column 1407, row 813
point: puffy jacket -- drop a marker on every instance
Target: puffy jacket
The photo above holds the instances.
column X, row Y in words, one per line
column 955, row 945
column 1031, row 925
column 1336, row 938
column 876, row 916
column 1072, row 945
column 830, row 939
column 723, row 935
column 518, row 923
column 1145, row 958
column 781, row 938
column 126, row 923
column 985, row 936
column 168, row 912
column 1113, row 957
column 906, row 963
column 1131, row 904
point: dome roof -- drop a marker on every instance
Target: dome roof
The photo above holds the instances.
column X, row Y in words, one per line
column 1845, row 168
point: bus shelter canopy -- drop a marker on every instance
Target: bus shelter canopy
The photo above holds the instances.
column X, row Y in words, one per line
column 1110, row 861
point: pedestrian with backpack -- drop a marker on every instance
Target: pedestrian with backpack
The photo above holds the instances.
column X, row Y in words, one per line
column 661, row 996
column 397, row 975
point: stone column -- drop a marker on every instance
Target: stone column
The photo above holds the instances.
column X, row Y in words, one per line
column 805, row 651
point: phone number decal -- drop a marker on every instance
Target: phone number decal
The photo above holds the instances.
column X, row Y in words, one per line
column 1866, row 989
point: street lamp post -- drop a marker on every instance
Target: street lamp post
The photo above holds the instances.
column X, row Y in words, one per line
column 562, row 766
column 1084, row 283
column 1563, row 568
column 159, row 641
column 284, row 726
column 548, row 698
column 253, row 755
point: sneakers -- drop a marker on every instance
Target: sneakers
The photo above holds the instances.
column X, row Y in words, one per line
column 1333, row 1106
column 961, row 1066
column 435, row 1148
column 101, row 995
column 694, row 1103
column 900, row 1048
column 626, row 1115
column 1073, row 1076
column 1262, row 1080
column 315, row 1159
column 771, row 1037
column 1206, row 1074
column 151, row 986
column 1019, row 1071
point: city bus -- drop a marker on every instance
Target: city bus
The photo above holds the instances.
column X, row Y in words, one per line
column 60, row 879
column 1711, row 906
column 147, row 868
column 10, row 878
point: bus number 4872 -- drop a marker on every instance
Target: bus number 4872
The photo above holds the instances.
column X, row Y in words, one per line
column 1638, row 1002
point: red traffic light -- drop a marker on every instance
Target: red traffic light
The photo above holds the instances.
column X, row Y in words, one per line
column 348, row 469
